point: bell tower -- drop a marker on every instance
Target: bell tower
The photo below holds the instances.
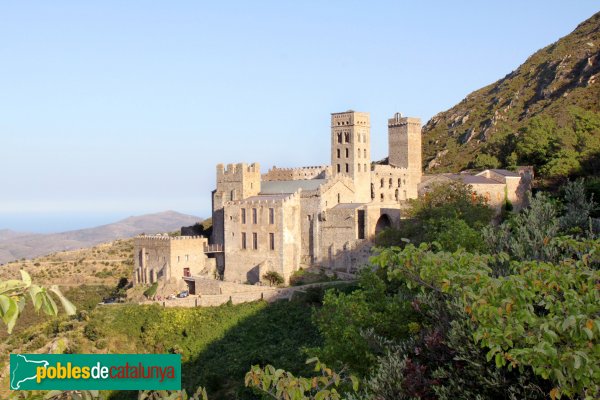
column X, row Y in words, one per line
column 351, row 150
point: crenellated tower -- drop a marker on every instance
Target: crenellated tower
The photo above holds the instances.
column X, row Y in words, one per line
column 404, row 135
column 351, row 150
column 236, row 182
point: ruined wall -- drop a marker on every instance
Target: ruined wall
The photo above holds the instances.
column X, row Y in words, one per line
column 249, row 264
column 288, row 174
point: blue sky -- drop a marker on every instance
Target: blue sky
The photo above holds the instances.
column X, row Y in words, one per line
column 118, row 108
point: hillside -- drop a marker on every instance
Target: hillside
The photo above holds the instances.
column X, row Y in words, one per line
column 546, row 113
column 15, row 246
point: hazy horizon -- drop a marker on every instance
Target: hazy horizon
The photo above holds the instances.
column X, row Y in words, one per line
column 117, row 108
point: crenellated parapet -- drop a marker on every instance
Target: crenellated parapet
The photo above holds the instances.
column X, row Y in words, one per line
column 301, row 173
column 235, row 172
column 267, row 200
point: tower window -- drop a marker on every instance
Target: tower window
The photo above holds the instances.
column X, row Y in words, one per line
column 254, row 216
column 358, row 153
column 347, row 168
column 243, row 215
column 271, row 241
column 255, row 241
column 390, row 183
column 347, row 137
column 366, row 167
column 381, row 183
column 399, row 182
column 232, row 195
column 339, row 137
column 338, row 153
column 271, row 215
column 365, row 152
column 347, row 153
column 339, row 168
column 244, row 240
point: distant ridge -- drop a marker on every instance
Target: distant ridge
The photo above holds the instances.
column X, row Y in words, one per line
column 16, row 245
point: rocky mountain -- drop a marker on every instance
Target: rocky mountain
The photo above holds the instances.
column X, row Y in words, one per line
column 546, row 113
column 15, row 245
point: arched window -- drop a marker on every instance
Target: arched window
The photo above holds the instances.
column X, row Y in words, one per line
column 390, row 183
column 339, row 137
column 381, row 183
column 358, row 153
column 339, row 168
column 347, row 168
column 347, row 153
column 347, row 137
column 396, row 194
column 381, row 197
column 338, row 153
column 399, row 182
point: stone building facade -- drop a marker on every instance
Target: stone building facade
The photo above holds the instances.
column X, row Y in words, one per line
column 324, row 216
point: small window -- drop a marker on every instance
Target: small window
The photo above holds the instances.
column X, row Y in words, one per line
column 358, row 153
column 271, row 215
column 366, row 167
column 399, row 182
column 347, row 168
column 339, row 137
column 381, row 183
column 339, row 198
column 232, row 195
column 358, row 167
column 244, row 240
column 390, row 183
column 271, row 241
column 254, row 216
column 339, row 168
column 347, row 137
column 255, row 241
column 243, row 215
column 347, row 153
column 187, row 257
column 381, row 197
column 178, row 258
column 365, row 152
column 338, row 153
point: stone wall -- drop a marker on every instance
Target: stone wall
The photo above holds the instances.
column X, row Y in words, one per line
column 289, row 174
column 249, row 264
column 161, row 257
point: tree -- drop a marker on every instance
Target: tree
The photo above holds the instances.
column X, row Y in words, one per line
column 484, row 161
column 274, row 278
column 13, row 297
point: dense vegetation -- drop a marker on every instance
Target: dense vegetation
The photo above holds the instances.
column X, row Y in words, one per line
column 546, row 113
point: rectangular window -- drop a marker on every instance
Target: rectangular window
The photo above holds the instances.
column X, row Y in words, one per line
column 255, row 240
column 272, row 241
column 347, row 153
column 243, row 215
column 187, row 257
column 338, row 153
column 243, row 240
column 271, row 215
column 347, row 168
column 254, row 216
column 339, row 169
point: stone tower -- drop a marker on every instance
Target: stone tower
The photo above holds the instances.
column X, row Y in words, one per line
column 351, row 150
column 236, row 182
column 404, row 135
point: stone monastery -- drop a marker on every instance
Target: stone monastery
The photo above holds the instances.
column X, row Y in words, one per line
column 322, row 216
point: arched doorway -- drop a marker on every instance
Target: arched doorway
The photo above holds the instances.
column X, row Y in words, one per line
column 382, row 223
